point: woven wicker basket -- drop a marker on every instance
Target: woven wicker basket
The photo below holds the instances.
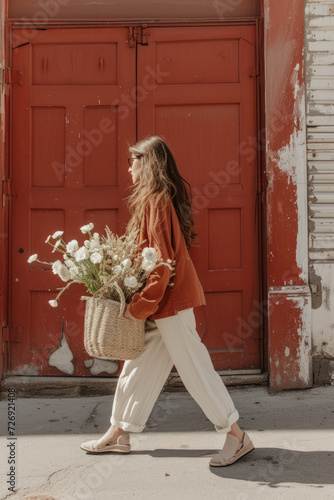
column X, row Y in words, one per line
column 108, row 334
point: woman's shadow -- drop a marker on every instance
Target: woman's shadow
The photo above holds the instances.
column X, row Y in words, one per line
column 265, row 466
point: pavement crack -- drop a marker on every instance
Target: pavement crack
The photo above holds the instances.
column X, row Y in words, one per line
column 48, row 479
column 92, row 416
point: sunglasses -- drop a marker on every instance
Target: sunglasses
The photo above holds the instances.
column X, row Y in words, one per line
column 131, row 160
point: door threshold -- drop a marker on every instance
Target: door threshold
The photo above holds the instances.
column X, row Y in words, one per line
column 60, row 387
column 229, row 377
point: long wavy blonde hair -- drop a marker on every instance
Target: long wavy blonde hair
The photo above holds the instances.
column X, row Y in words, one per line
column 159, row 177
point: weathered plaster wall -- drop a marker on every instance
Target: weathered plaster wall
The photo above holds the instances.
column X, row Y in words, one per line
column 290, row 362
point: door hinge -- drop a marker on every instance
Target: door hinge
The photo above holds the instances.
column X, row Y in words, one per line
column 10, row 334
column 138, row 35
column 8, row 76
column 5, row 333
column 5, row 76
column 6, row 190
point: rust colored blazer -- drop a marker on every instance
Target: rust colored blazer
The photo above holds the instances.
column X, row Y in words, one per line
column 158, row 299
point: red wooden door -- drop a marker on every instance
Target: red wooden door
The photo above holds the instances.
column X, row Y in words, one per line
column 204, row 104
column 71, row 125
column 78, row 101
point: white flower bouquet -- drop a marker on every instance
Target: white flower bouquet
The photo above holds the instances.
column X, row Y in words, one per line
column 103, row 264
column 113, row 269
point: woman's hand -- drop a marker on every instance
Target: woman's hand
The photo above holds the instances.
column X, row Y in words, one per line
column 127, row 313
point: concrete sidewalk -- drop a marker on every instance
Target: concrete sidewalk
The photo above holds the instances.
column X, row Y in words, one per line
column 292, row 432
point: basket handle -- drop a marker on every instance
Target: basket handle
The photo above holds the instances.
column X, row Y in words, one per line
column 121, row 295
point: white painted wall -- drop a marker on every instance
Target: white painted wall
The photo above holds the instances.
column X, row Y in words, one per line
column 319, row 72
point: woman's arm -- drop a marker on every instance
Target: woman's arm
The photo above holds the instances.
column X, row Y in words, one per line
column 146, row 302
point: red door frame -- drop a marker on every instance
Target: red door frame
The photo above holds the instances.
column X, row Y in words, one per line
column 4, row 204
column 285, row 278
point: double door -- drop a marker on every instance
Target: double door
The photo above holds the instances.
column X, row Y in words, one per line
column 80, row 96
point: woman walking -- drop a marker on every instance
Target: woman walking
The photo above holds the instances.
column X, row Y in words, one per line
column 161, row 209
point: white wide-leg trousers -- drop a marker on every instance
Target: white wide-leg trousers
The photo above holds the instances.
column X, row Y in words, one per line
column 168, row 341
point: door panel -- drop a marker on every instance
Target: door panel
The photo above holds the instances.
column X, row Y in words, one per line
column 204, row 105
column 70, row 131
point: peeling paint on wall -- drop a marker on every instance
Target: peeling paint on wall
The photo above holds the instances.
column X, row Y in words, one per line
column 62, row 357
column 323, row 313
column 323, row 370
column 293, row 161
column 101, row 365
column 286, row 163
column 290, row 360
column 305, row 343
column 316, row 280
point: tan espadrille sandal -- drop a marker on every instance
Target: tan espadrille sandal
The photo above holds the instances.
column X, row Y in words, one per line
column 122, row 445
column 232, row 450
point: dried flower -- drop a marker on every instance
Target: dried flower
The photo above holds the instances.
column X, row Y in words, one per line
column 117, row 269
column 74, row 271
column 56, row 245
column 72, row 247
column 150, row 254
column 95, row 245
column 96, row 258
column 130, row 281
column 69, row 263
column 56, row 266
column 147, row 265
column 81, row 254
column 87, row 228
column 32, row 258
column 53, row 303
column 126, row 263
column 64, row 273
column 57, row 234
